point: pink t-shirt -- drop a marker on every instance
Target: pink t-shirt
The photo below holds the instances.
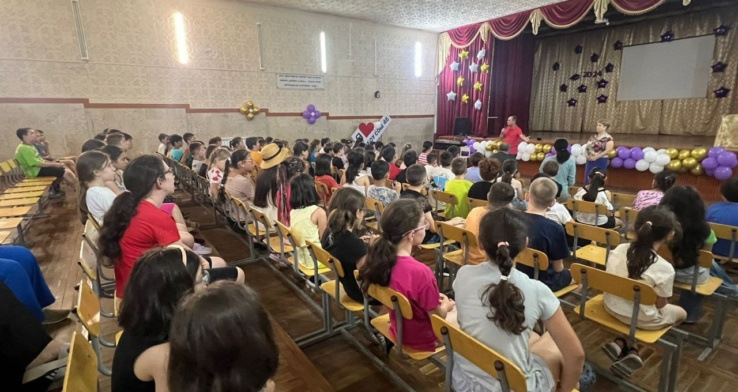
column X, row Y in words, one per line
column 646, row 199
column 417, row 282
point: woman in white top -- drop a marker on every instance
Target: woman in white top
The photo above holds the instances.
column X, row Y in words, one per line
column 595, row 192
column 499, row 306
column 655, row 226
column 94, row 169
column 351, row 177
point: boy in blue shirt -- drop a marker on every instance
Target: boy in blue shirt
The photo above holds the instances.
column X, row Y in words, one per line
column 725, row 213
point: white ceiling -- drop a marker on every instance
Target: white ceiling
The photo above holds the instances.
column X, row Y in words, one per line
column 431, row 15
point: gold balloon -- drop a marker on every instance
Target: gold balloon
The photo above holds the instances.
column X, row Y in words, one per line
column 673, row 153
column 684, row 154
column 490, row 147
column 256, row 110
column 244, row 109
column 495, row 151
column 689, row 163
column 612, row 154
column 250, row 116
column 546, row 148
column 675, row 165
column 699, row 154
column 249, row 103
column 539, row 148
column 541, row 155
column 697, row 171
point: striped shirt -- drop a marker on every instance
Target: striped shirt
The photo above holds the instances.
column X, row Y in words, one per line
column 423, row 158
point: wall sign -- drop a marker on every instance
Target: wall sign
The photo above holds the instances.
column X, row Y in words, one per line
column 371, row 132
column 299, row 82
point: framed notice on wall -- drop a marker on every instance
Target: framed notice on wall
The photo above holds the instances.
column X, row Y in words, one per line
column 299, row 82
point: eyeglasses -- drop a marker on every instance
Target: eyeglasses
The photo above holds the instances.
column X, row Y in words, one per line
column 424, row 226
column 168, row 171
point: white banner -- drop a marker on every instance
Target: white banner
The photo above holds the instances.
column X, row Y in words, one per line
column 299, row 82
column 371, row 132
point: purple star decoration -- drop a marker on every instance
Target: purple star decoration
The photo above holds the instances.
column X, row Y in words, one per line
column 602, row 83
column 556, row 66
column 582, row 88
column 563, row 88
column 571, row 102
column 617, row 45
column 578, row 49
column 718, row 67
column 594, row 57
column 609, row 67
column 575, row 77
column 721, row 30
column 722, row 92
column 667, row 36
column 602, row 99
column 311, row 114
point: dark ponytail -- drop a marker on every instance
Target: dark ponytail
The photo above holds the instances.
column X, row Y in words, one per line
column 399, row 218
column 355, row 162
column 509, row 168
column 596, row 182
column 562, row 152
column 502, row 234
column 221, row 186
column 342, row 213
column 86, row 165
column 664, row 180
column 140, row 177
column 653, row 224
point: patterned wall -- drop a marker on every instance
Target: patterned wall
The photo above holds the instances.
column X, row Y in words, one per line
column 133, row 60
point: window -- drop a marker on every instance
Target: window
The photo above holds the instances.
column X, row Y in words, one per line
column 179, row 29
column 418, row 59
column 323, row 66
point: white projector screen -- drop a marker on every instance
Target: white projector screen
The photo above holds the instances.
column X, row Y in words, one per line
column 666, row 70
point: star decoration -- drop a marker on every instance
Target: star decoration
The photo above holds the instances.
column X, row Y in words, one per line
column 563, row 88
column 602, row 99
column 478, row 86
column 617, row 45
column 460, row 81
column 602, row 83
column 465, row 98
column 556, row 66
column 454, row 66
column 722, row 92
column 718, row 67
column 478, row 105
column 578, row 49
column 484, row 67
column 571, row 102
column 464, row 54
column 451, row 96
column 609, row 67
column 582, row 88
column 575, row 77
column 667, row 36
column 481, row 54
column 474, row 67
column 721, row 30
column 594, row 57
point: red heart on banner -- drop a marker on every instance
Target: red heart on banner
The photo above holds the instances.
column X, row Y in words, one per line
column 366, row 129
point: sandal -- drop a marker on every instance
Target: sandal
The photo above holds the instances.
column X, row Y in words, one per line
column 613, row 350
column 629, row 364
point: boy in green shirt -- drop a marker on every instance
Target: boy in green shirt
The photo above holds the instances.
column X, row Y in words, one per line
column 458, row 187
column 34, row 166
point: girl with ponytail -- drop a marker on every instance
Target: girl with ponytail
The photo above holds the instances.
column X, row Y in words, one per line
column 509, row 175
column 567, row 167
column 662, row 182
column 94, row 169
column 655, row 227
column 499, row 305
column 352, row 176
column 218, row 167
column 595, row 192
column 390, row 264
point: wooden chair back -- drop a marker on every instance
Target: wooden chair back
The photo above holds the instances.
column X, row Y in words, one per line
column 704, row 258
column 573, row 190
column 324, row 257
column 628, row 216
column 622, row 199
column 534, row 259
column 389, row 297
column 88, row 259
column 593, row 233
column 488, row 360
column 587, row 207
column 458, row 234
column 377, row 207
column 727, row 233
column 263, row 219
column 91, row 231
column 474, row 203
column 423, row 191
column 612, row 284
column 88, row 308
column 81, row 374
column 444, row 197
column 323, row 192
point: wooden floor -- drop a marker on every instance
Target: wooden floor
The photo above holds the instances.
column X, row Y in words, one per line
column 336, row 360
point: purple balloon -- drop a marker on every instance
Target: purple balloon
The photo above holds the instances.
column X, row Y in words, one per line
column 710, row 172
column 629, row 163
column 714, row 152
column 616, row 162
column 472, row 150
column 709, row 163
column 470, row 143
column 723, row 173
column 568, row 148
column 727, row 159
column 551, row 154
column 636, row 153
column 316, row 114
column 311, row 108
column 306, row 115
column 311, row 120
column 624, row 153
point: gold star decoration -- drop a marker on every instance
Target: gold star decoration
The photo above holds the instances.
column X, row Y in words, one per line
column 250, row 110
column 478, row 86
column 464, row 54
column 484, row 67
column 460, row 81
column 465, row 98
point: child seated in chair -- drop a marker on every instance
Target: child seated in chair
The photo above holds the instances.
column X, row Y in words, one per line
column 417, row 181
column 655, row 226
column 662, row 182
column 595, row 192
column 380, row 191
column 308, row 220
column 500, row 195
column 458, row 187
column 443, row 174
column 725, row 213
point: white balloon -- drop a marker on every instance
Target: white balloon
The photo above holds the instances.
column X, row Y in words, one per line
column 576, row 150
column 655, row 168
column 526, row 156
column 661, row 151
column 522, row 146
column 531, row 148
column 647, row 149
column 650, row 156
column 663, row 159
column 642, row 165
column 487, row 154
column 477, row 146
column 581, row 160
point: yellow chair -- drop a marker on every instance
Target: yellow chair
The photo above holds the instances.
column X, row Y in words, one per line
column 642, row 295
column 727, row 233
column 460, row 257
column 586, row 207
column 628, row 216
column 241, row 214
column 400, row 305
column 377, row 208
column 88, row 313
column 592, row 253
column 81, row 374
column 423, row 191
column 474, row 203
column 539, row 262
column 4, row 235
column 323, row 193
column 273, row 243
column 455, row 340
column 20, row 195
column 620, row 199
column 444, row 197
column 573, row 190
column 294, row 258
column 14, row 224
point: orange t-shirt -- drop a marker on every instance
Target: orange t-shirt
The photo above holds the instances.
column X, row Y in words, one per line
column 476, row 255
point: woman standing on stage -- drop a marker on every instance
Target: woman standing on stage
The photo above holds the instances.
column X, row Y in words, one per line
column 597, row 148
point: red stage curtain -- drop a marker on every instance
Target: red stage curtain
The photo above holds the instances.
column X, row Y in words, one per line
column 448, row 111
column 463, row 35
column 635, row 7
column 508, row 27
column 566, row 14
column 512, row 76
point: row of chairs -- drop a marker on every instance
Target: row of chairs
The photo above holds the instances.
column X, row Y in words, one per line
column 21, row 200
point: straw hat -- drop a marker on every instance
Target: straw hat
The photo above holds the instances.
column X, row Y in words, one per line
column 272, row 155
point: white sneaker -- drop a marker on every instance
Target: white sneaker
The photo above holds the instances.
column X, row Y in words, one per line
column 201, row 250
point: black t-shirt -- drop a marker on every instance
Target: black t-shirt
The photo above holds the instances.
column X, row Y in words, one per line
column 128, row 350
column 480, row 190
column 348, row 249
column 401, row 176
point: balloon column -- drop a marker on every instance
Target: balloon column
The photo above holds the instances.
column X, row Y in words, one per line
column 534, row 151
column 720, row 163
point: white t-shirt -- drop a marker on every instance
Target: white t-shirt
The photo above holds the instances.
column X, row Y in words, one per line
column 162, row 149
column 99, row 199
column 589, row 219
column 660, row 276
column 540, row 304
column 196, row 165
column 441, row 176
column 558, row 213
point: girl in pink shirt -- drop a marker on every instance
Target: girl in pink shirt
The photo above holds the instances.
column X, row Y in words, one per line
column 662, row 182
column 390, row 263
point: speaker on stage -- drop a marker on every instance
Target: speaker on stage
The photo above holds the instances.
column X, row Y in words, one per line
column 462, row 126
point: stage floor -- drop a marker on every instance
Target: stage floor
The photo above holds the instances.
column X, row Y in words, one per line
column 621, row 139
